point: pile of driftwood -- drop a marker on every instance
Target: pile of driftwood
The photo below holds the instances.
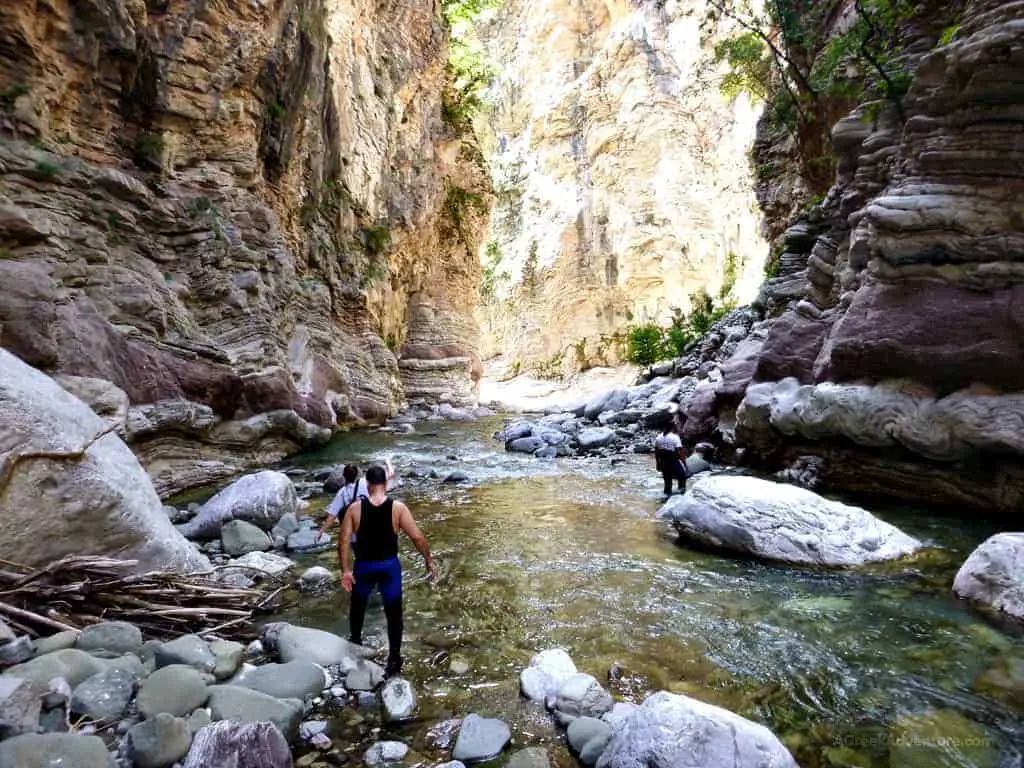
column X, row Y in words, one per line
column 81, row 590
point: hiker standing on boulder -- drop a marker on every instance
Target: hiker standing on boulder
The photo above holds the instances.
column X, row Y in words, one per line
column 376, row 522
column 670, row 457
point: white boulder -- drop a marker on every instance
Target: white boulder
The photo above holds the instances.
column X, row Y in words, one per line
column 72, row 487
column 546, row 673
column 261, row 499
column 782, row 522
column 994, row 574
column 674, row 731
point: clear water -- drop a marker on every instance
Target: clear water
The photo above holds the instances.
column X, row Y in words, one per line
column 878, row 666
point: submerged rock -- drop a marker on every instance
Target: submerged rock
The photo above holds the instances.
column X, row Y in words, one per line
column 993, row 575
column 239, row 745
column 782, row 522
column 385, row 752
column 671, row 731
column 261, row 499
column 398, row 700
column 480, row 738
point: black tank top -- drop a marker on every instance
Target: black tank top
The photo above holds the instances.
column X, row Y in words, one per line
column 376, row 538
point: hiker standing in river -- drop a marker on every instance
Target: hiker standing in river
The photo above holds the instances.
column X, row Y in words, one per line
column 353, row 490
column 376, row 522
column 670, row 457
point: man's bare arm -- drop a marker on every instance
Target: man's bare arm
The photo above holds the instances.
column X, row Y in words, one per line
column 345, row 546
column 408, row 525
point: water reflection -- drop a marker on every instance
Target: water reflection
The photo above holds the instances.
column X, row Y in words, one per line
column 535, row 554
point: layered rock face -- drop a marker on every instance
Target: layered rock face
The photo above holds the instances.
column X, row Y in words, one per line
column 621, row 177
column 892, row 352
column 232, row 220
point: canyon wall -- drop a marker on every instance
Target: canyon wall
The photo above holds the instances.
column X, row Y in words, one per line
column 234, row 227
column 621, row 175
column 889, row 357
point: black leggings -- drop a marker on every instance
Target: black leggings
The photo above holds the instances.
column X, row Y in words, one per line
column 393, row 613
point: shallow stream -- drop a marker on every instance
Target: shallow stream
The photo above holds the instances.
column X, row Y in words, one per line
column 878, row 667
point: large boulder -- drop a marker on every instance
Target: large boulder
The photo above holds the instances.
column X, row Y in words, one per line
column 994, row 574
column 612, row 400
column 73, row 487
column 230, row 702
column 261, row 499
column 292, row 680
column 673, row 731
column 782, row 522
column 239, row 745
column 595, row 437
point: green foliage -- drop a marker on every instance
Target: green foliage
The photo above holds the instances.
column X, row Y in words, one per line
column 12, row 94
column 376, row 240
column 202, row 204
column 491, row 276
column 550, row 368
column 530, row 268
column 949, row 33
column 113, row 220
column 729, row 275
column 275, row 110
column 45, row 171
column 458, row 12
column 470, row 73
column 750, row 66
column 644, row 344
column 459, row 202
column 149, row 148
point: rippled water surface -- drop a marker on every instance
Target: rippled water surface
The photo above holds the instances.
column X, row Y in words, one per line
column 874, row 667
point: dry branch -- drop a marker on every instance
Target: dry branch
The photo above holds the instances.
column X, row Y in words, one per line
column 80, row 590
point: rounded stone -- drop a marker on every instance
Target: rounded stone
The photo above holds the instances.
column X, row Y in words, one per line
column 114, row 637
column 176, row 689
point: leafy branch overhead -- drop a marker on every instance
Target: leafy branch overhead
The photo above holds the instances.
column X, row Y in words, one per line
column 469, row 69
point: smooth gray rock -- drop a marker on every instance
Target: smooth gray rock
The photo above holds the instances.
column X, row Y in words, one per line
column 316, row 579
column 230, row 702
column 595, row 437
column 102, row 503
column 198, row 720
column 71, row 664
column 239, row 745
column 516, row 431
column 531, row 757
column 16, row 651
column 458, row 476
column 526, row 445
column 398, row 700
column 583, row 729
column 190, row 650
column 385, row 753
column 52, row 721
column 548, row 452
column 292, row 680
column 695, row 464
column 612, row 400
column 594, row 748
column 288, row 524
column 480, row 738
column 993, row 575
column 366, row 676
column 291, row 643
column 159, row 742
column 261, row 498
column 20, row 706
column 669, row 731
column 7, row 634
column 782, row 522
column 104, row 696
column 53, row 750
column 228, row 657
column 58, row 642
column 176, row 689
column 545, row 674
column 238, row 537
column 580, row 695
column 304, row 540
column 115, row 637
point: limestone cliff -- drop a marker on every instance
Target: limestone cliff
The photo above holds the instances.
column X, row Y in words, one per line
column 621, row 176
column 236, row 219
column 890, row 359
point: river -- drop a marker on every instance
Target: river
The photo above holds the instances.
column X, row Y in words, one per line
column 870, row 667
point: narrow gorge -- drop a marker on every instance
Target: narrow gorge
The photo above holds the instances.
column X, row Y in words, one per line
column 686, row 331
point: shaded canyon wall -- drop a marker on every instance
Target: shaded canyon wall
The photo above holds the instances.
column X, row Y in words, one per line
column 229, row 225
column 889, row 359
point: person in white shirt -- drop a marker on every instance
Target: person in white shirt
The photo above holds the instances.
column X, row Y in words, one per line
column 353, row 490
column 670, row 457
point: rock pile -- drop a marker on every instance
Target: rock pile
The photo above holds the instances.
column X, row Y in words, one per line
column 188, row 701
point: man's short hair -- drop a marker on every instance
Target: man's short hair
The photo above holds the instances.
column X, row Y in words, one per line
column 376, row 475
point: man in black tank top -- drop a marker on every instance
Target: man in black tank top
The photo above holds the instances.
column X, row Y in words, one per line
column 376, row 522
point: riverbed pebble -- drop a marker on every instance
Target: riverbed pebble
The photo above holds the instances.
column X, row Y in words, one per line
column 176, row 689
column 54, row 749
column 291, row 680
column 159, row 742
column 398, row 700
column 105, row 695
column 385, row 752
column 480, row 738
